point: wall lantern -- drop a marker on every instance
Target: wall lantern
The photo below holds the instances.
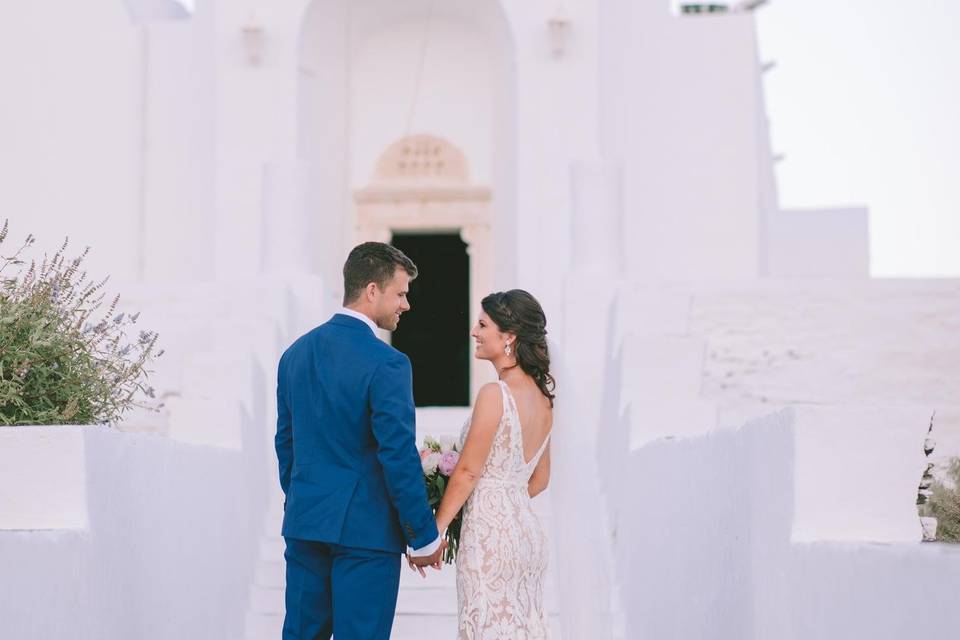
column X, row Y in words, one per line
column 146, row 11
column 558, row 28
column 253, row 37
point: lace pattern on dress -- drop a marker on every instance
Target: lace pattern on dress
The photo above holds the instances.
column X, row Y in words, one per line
column 503, row 548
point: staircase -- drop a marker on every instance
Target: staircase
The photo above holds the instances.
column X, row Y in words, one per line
column 426, row 607
column 265, row 607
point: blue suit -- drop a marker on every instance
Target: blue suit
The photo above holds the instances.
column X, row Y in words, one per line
column 350, row 471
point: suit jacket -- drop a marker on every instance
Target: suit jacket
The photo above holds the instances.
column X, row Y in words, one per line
column 346, row 441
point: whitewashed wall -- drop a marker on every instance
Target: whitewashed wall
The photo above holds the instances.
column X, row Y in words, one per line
column 712, row 355
column 333, row 89
column 168, row 550
column 856, row 473
column 703, row 538
column 683, row 112
column 44, row 479
column 843, row 342
column 454, row 99
column 180, row 143
column 119, row 534
column 70, row 127
column 767, row 530
column 827, row 591
column 154, row 140
column 818, row 243
column 172, row 161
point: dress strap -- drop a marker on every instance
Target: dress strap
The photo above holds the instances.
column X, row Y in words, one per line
column 508, row 403
column 511, row 415
column 539, row 453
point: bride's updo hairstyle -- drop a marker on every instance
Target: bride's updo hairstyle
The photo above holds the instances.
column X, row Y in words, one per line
column 519, row 313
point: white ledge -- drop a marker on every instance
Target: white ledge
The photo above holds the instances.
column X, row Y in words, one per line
column 43, row 481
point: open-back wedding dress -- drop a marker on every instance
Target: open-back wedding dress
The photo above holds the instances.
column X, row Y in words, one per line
column 503, row 549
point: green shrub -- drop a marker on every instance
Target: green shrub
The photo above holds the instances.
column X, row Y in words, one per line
column 57, row 364
column 944, row 504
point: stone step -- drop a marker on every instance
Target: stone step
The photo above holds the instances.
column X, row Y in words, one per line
column 266, row 600
column 422, row 613
column 424, row 627
column 427, row 601
column 272, row 548
column 406, row 626
column 440, row 627
column 426, row 607
column 270, row 574
column 263, row 626
column 446, row 577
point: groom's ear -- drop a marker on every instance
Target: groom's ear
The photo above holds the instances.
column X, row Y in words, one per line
column 370, row 291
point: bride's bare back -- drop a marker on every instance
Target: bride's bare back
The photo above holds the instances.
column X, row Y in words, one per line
column 534, row 414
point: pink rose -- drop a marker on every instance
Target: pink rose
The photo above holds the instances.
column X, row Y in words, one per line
column 449, row 462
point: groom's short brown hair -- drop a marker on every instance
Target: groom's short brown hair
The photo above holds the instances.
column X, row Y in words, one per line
column 372, row 262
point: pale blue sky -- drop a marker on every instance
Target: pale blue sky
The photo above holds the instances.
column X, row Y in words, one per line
column 865, row 104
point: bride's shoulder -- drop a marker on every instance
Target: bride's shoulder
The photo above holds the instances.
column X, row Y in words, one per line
column 489, row 402
column 489, row 395
column 487, row 410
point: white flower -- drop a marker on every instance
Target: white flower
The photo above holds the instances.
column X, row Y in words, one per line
column 430, row 462
column 447, row 444
column 430, row 442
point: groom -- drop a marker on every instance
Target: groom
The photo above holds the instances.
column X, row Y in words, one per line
column 349, row 468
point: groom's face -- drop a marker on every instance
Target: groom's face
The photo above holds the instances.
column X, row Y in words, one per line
column 392, row 301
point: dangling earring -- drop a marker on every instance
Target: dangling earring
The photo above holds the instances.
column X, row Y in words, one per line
column 508, row 349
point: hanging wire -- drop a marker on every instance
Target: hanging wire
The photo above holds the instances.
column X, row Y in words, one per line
column 425, row 40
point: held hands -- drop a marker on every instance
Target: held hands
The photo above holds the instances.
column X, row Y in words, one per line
column 435, row 560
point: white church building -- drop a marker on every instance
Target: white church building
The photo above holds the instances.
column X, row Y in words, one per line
column 749, row 406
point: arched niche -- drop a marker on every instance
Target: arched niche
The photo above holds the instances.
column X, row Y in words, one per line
column 339, row 136
column 421, row 184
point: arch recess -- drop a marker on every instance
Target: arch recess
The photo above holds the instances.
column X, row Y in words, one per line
column 421, row 185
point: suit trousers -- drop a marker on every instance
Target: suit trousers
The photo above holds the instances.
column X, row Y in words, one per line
column 351, row 593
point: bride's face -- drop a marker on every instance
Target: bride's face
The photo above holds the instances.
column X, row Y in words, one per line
column 490, row 341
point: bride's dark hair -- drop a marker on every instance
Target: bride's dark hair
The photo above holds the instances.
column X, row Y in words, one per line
column 519, row 313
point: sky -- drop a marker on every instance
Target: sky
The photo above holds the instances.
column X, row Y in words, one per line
column 864, row 103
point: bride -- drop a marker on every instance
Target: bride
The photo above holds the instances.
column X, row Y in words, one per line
column 504, row 462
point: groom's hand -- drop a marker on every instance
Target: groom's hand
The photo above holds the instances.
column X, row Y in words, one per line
column 416, row 567
column 435, row 560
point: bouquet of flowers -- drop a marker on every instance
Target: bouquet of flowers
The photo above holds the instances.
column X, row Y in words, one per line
column 439, row 458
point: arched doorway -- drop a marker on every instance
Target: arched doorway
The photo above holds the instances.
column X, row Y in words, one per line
column 432, row 333
column 421, row 199
column 372, row 71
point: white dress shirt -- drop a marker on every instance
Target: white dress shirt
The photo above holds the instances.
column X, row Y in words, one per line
column 432, row 547
column 359, row 316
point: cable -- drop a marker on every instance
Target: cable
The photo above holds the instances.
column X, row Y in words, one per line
column 419, row 76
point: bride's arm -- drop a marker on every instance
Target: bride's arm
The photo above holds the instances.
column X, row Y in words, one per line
column 483, row 429
column 540, row 477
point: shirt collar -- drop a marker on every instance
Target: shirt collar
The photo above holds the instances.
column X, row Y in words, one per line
column 359, row 316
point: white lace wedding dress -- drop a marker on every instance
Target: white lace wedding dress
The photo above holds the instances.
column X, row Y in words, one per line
column 503, row 549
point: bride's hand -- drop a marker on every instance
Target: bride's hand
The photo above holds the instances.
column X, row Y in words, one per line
column 438, row 565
